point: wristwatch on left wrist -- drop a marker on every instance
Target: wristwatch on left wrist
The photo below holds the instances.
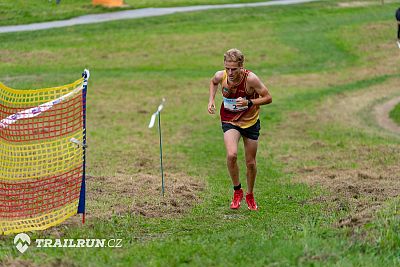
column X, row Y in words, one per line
column 249, row 103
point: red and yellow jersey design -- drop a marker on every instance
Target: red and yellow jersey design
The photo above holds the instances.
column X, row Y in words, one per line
column 229, row 113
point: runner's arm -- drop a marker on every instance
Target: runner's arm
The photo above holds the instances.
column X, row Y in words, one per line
column 256, row 84
column 215, row 81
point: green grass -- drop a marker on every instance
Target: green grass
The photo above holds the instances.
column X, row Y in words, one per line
column 395, row 114
column 304, row 62
column 24, row 12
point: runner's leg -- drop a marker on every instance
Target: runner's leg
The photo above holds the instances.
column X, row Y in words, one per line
column 231, row 139
column 250, row 149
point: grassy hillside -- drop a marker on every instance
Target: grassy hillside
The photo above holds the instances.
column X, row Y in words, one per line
column 23, row 12
column 328, row 176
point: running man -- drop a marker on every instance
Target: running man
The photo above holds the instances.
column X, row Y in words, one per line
column 243, row 94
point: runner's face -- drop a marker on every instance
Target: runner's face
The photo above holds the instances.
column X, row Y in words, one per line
column 232, row 70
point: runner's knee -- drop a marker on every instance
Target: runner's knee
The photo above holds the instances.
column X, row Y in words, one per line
column 251, row 164
column 232, row 157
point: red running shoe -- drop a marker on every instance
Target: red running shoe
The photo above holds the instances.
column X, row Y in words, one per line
column 237, row 197
column 251, row 203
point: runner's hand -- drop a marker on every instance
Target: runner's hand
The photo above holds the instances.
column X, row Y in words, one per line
column 241, row 102
column 211, row 107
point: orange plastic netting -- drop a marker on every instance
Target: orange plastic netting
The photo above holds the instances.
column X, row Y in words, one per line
column 42, row 156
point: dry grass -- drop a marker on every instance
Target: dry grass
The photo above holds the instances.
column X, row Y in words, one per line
column 140, row 194
column 382, row 115
column 10, row 262
column 351, row 109
column 17, row 262
column 360, row 177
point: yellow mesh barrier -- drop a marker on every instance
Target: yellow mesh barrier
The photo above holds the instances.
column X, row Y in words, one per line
column 42, row 156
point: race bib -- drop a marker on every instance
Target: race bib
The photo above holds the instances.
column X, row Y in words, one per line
column 230, row 104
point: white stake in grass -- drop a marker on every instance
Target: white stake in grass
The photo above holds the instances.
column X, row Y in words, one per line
column 151, row 124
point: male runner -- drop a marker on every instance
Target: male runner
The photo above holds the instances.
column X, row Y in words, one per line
column 243, row 94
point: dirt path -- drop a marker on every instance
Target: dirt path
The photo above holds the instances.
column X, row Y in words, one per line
column 360, row 177
column 382, row 115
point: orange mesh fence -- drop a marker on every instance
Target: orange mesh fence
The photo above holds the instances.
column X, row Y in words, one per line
column 42, row 172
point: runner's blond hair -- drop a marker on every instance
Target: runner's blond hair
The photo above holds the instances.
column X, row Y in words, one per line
column 234, row 55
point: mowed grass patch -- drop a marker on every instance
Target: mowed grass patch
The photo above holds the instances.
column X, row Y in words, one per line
column 23, row 12
column 291, row 227
column 341, row 148
column 395, row 114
